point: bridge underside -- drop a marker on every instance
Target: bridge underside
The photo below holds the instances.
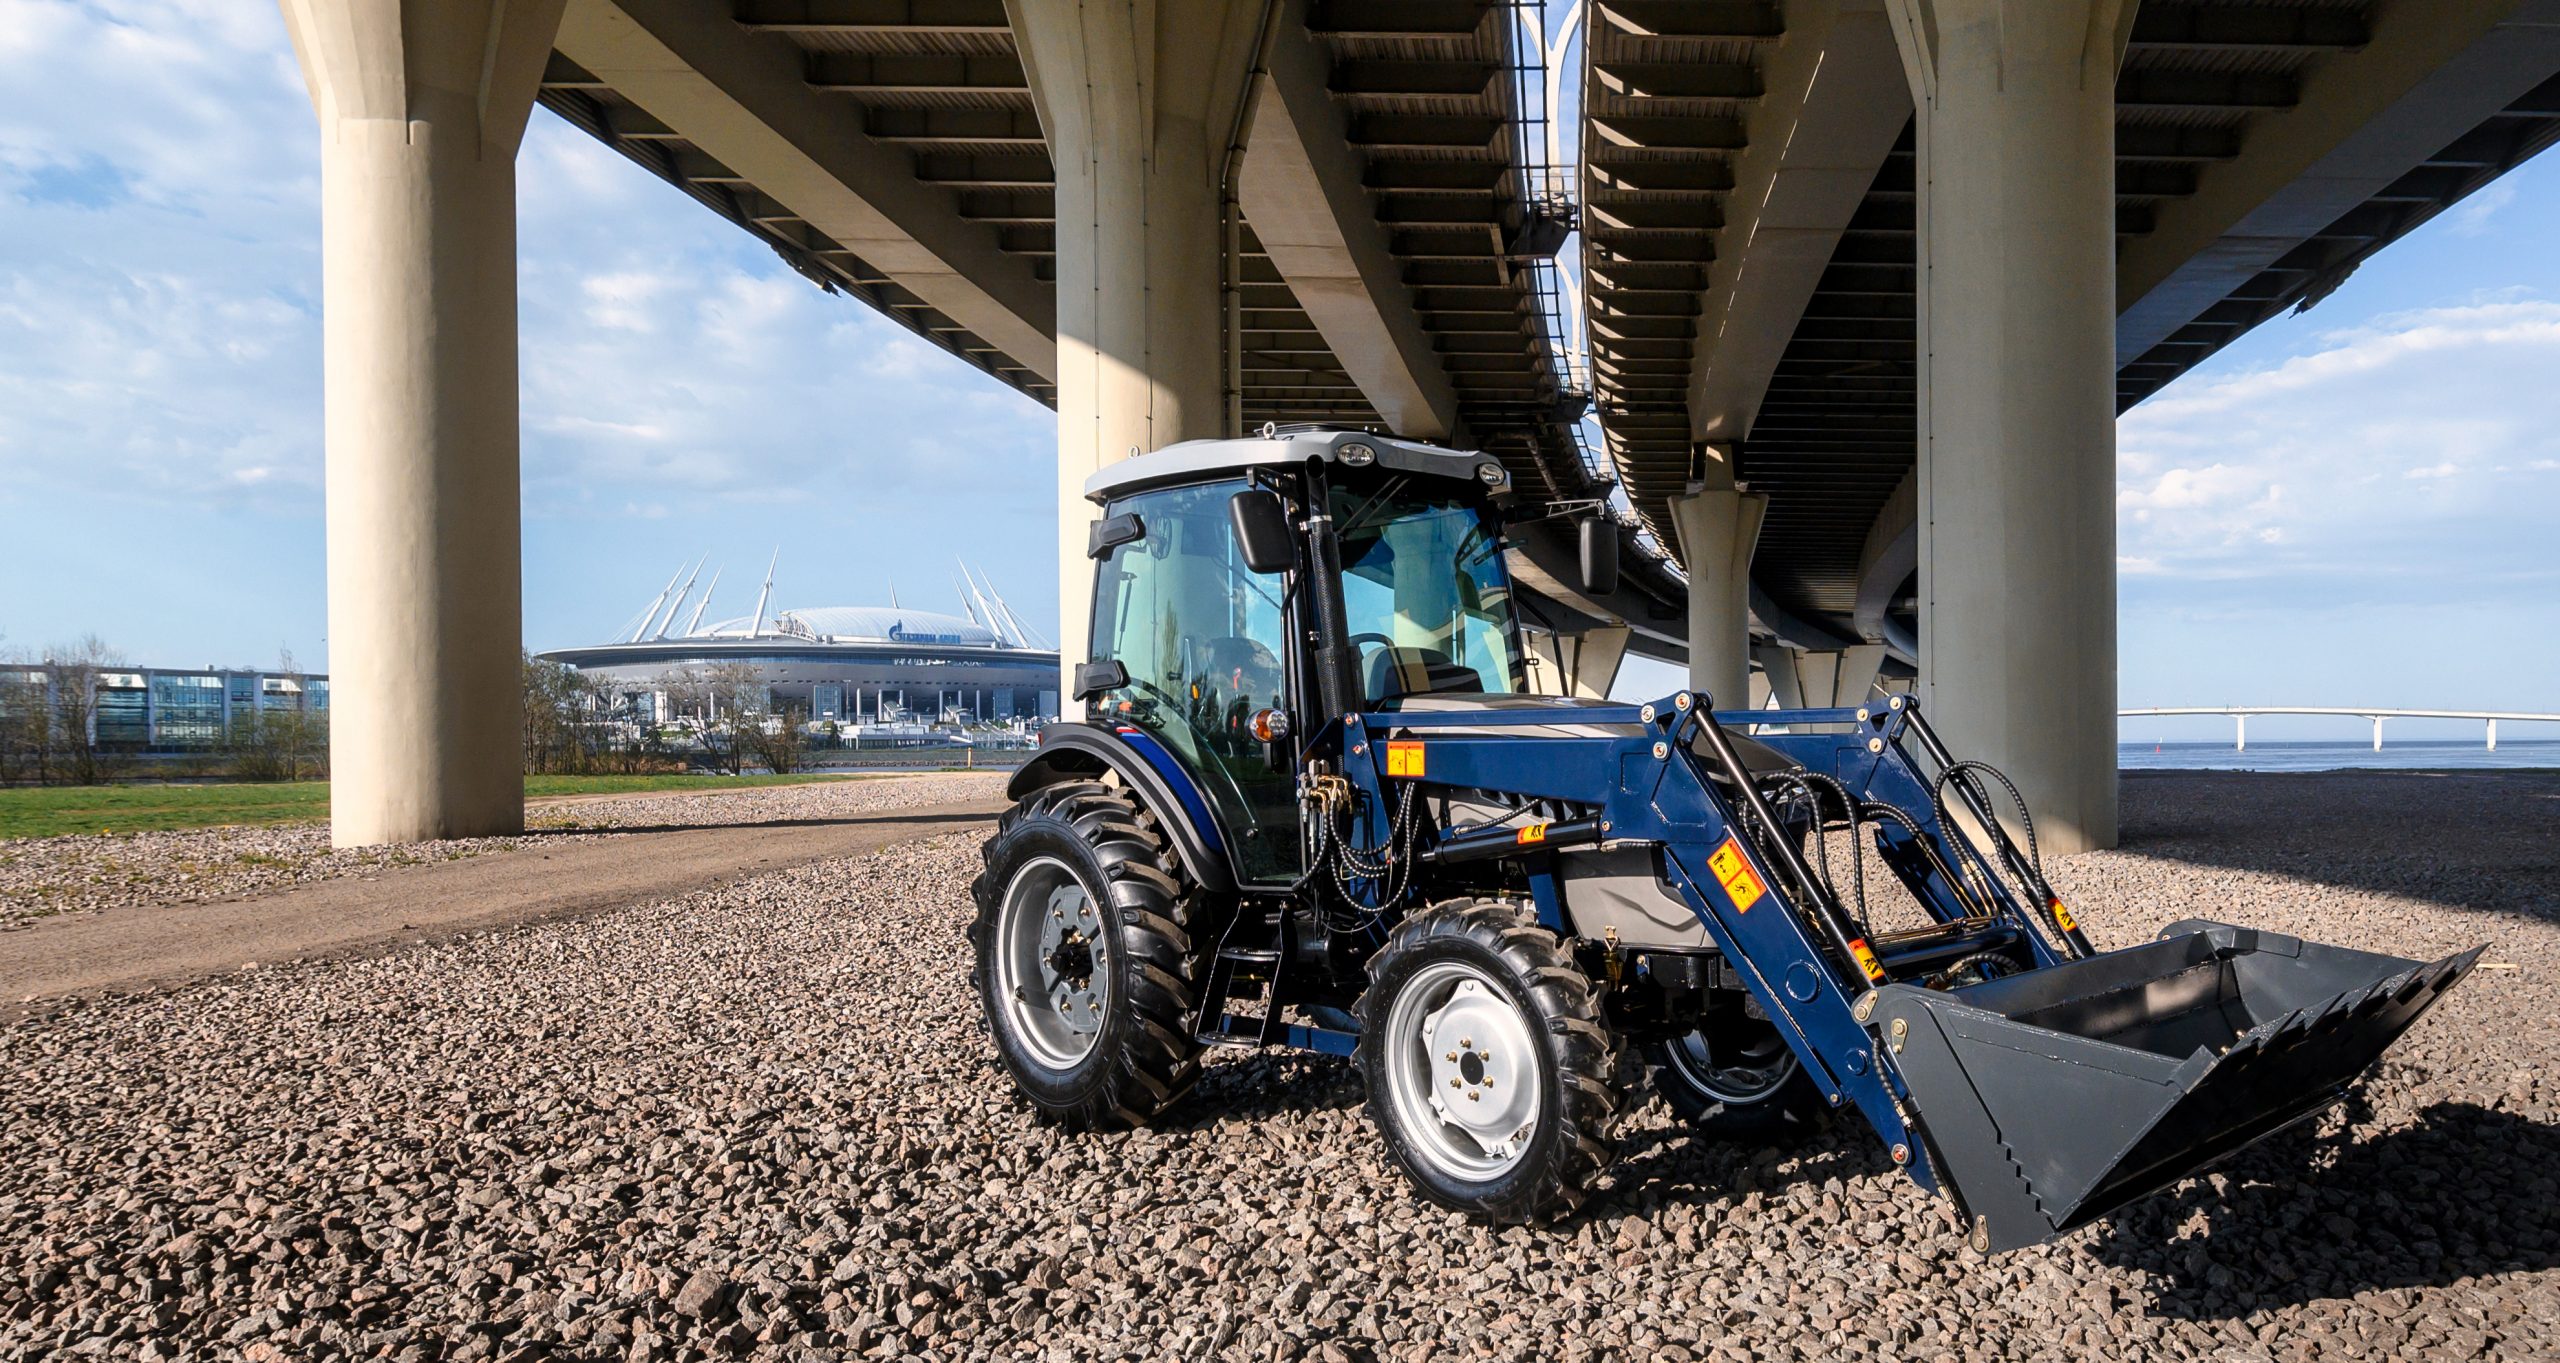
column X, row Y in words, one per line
column 2261, row 153
column 1866, row 282
column 1393, row 147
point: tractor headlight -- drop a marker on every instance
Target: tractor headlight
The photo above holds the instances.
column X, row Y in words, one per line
column 1490, row 474
column 1358, row 455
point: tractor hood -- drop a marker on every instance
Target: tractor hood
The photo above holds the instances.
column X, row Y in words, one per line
column 1509, row 715
column 1514, row 715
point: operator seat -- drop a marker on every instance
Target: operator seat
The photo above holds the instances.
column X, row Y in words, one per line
column 1393, row 672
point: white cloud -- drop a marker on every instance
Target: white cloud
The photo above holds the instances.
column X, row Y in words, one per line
column 621, row 301
column 2398, row 449
column 2384, row 342
column 160, row 345
column 2471, row 217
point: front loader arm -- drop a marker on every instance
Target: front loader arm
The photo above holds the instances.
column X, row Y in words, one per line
column 1650, row 785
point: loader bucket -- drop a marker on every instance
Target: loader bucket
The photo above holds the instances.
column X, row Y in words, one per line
column 2051, row 1098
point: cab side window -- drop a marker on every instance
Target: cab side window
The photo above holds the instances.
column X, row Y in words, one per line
column 1202, row 639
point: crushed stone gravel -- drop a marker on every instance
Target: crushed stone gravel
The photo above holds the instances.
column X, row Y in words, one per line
column 764, row 1120
column 40, row 877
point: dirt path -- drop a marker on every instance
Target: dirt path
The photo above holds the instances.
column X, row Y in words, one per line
column 89, row 954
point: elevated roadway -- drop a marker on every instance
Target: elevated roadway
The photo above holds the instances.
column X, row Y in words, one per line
column 1867, row 281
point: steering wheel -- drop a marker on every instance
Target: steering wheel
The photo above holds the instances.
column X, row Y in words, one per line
column 1372, row 637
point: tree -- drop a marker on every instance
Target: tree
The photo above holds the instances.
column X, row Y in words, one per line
column 299, row 732
column 778, row 740
column 26, row 721
column 551, row 695
column 75, row 671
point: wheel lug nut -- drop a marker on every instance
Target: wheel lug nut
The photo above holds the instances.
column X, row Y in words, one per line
column 1453, row 1057
column 1475, row 1097
column 1453, row 1083
column 1466, row 1043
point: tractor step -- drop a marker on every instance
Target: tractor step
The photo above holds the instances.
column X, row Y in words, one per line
column 1266, row 964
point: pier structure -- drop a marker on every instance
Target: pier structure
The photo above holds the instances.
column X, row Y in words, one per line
column 2240, row 717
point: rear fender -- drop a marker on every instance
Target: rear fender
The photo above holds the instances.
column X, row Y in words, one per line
column 1083, row 752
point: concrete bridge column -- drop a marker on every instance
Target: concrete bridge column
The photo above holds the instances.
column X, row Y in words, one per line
column 421, row 105
column 2017, row 392
column 1583, row 665
column 1719, row 529
column 1139, row 101
column 1820, row 679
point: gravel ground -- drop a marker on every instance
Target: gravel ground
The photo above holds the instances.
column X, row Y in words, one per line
column 775, row 804
column 765, row 1120
column 89, row 872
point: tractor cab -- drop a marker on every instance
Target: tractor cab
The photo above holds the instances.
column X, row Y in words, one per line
column 1209, row 646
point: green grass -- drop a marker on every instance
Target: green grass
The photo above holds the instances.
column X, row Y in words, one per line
column 50, row 811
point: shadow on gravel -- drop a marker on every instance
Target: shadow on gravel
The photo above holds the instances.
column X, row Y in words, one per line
column 2475, row 840
column 1674, row 1164
column 2307, row 1217
column 1265, row 1084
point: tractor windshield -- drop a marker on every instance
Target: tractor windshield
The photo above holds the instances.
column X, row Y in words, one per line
column 1425, row 595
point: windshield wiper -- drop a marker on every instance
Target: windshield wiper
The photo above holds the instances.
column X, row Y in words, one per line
column 1361, row 516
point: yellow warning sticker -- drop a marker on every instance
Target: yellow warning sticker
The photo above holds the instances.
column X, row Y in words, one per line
column 1741, row 883
column 2062, row 915
column 1866, row 958
column 1536, row 832
column 1404, row 759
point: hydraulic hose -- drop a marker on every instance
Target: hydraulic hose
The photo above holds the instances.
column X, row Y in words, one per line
column 2029, row 871
column 1852, row 949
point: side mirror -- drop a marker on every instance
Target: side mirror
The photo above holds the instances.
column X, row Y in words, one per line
column 1261, row 526
column 1599, row 556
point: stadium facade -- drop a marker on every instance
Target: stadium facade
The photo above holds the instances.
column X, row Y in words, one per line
column 854, row 665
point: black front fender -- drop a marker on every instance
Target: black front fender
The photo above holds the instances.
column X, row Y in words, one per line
column 1081, row 752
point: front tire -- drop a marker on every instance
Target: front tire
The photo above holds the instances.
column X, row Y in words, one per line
column 1490, row 1066
column 1086, row 963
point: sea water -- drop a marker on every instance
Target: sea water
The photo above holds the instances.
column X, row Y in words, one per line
column 2415, row 754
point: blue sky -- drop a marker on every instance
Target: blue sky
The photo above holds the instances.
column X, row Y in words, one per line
column 2354, row 506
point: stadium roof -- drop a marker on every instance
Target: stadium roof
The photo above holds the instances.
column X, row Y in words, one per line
column 847, row 624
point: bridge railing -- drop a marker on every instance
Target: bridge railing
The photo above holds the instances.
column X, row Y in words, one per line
column 2239, row 714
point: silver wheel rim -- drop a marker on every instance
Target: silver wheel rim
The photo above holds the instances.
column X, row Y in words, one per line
column 1052, row 959
column 1463, row 1071
column 1735, row 1080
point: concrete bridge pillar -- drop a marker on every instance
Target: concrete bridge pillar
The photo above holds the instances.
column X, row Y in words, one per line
column 1820, row 679
column 2016, row 110
column 1719, row 529
column 1139, row 100
column 1583, row 665
column 421, row 105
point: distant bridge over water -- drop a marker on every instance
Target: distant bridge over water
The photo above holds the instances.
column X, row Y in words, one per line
column 2240, row 717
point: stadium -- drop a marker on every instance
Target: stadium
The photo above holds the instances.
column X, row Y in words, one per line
column 886, row 667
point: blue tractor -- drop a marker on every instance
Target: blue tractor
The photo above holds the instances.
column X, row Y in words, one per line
column 1312, row 804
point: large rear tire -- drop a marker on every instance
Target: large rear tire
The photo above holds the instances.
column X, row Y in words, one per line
column 1735, row 1078
column 1492, row 1072
column 1086, row 958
